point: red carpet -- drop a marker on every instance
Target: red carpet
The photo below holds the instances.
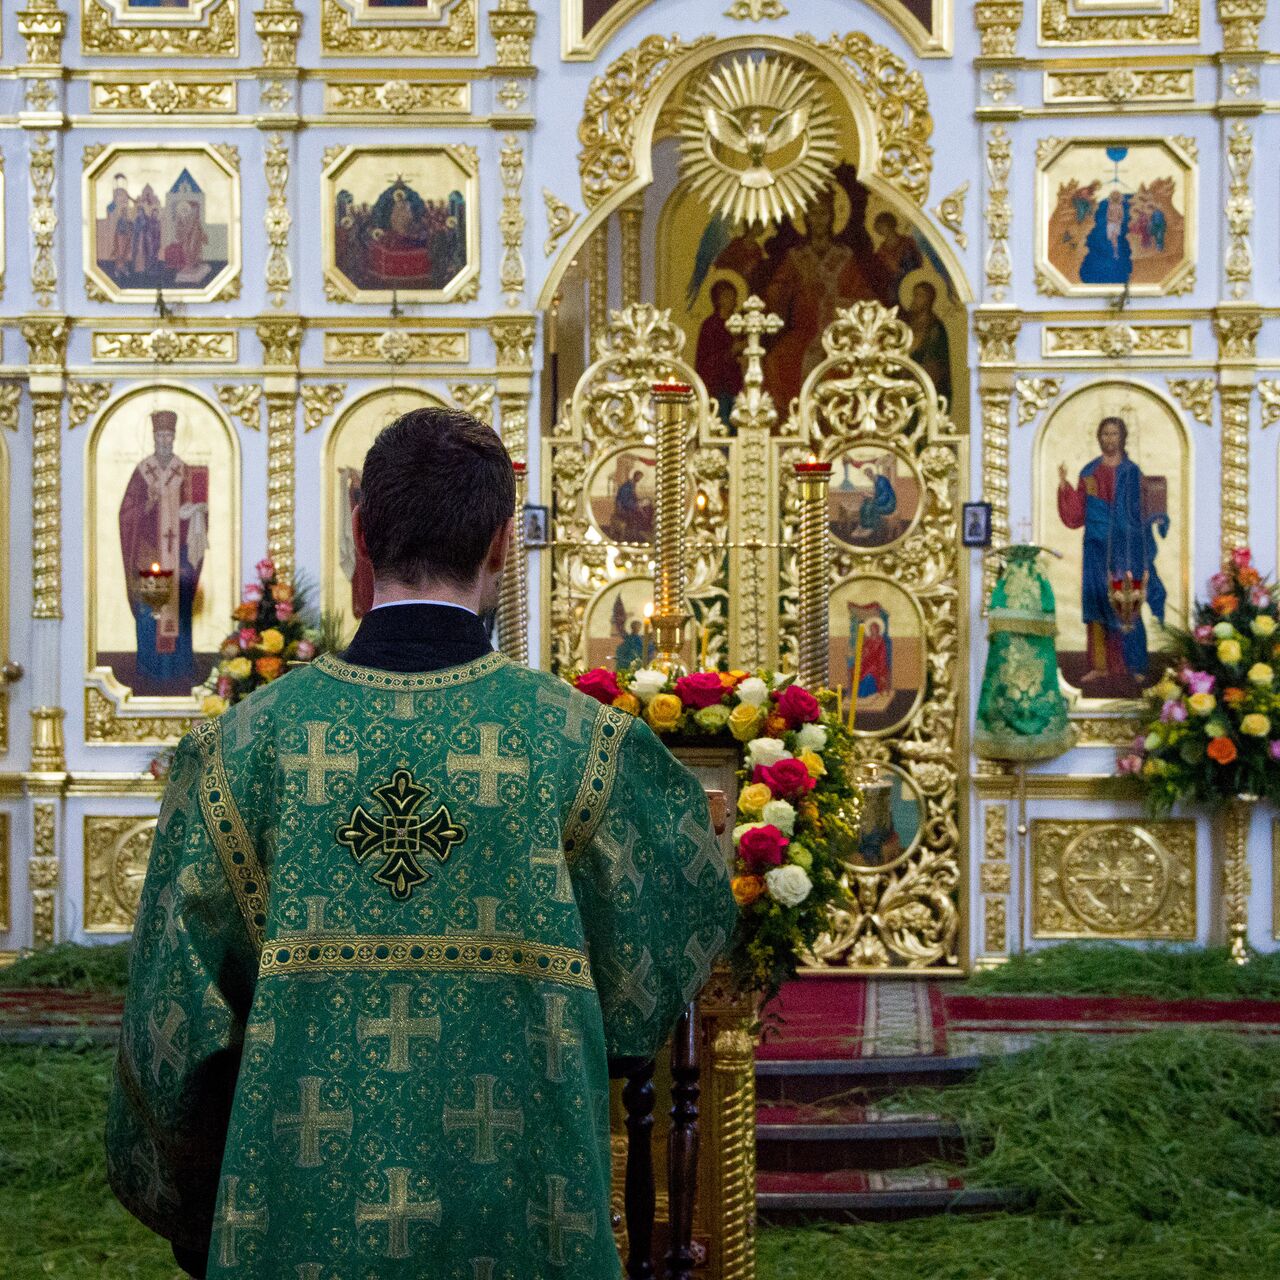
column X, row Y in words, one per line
column 47, row 1008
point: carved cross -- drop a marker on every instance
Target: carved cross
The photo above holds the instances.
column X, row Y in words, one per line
column 558, row 1220
column 755, row 322
column 231, row 1221
column 311, row 1122
column 489, row 764
column 398, row 1028
column 398, row 1212
column 487, row 1120
column 554, row 1036
column 318, row 763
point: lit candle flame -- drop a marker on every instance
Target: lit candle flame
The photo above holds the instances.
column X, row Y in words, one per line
column 813, row 457
column 155, row 566
column 648, row 610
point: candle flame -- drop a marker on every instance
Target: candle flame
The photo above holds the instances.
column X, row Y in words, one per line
column 701, row 501
column 813, row 457
column 648, row 610
column 155, row 566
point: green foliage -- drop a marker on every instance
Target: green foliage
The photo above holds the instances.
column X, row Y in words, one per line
column 71, row 966
column 58, row 1217
column 1112, row 969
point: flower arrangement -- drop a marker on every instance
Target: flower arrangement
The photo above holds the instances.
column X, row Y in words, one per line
column 1213, row 731
column 796, row 805
column 272, row 631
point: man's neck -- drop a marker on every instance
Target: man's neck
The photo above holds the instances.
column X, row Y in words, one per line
column 435, row 592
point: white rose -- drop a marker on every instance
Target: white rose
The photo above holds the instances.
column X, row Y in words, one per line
column 811, row 737
column 781, row 814
column 754, row 691
column 789, row 884
column 782, row 679
column 1224, row 631
column 646, row 682
column 766, row 751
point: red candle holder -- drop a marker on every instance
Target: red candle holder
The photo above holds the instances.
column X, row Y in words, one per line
column 154, row 587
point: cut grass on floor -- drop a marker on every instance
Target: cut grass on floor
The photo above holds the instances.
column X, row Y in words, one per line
column 71, row 966
column 1110, row 969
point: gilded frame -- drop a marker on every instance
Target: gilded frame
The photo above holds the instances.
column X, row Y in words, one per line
column 106, row 30
column 346, row 31
column 1051, row 150
column 113, row 712
column 339, row 288
column 102, row 870
column 97, row 162
column 1116, row 22
column 1110, row 721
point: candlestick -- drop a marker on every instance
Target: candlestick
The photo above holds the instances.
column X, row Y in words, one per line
column 814, row 554
column 154, row 587
column 857, row 677
column 671, row 402
column 513, row 597
column 706, row 638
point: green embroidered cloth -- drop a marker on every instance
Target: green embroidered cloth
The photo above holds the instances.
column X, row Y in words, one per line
column 1022, row 714
column 391, row 929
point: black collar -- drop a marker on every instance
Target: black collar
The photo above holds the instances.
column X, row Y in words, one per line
column 418, row 637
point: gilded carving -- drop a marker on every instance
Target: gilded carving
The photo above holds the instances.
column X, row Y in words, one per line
column 116, row 851
column 475, row 398
column 994, row 397
column 1106, row 731
column 319, row 400
column 1118, row 85
column 997, row 332
column 1114, row 879
column 1034, row 396
column 998, row 86
column 511, row 219
column 756, row 10
column 995, row 925
column 453, row 35
column 243, row 400
column 995, row 875
column 42, row 873
column 43, row 219
column 999, row 213
column 1243, row 81
column 560, row 217
column 1116, row 340
column 101, row 32
column 281, row 427
column 399, row 97
column 1195, row 395
column 513, row 342
column 630, row 226
column 46, row 341
column 1268, row 399
column 1237, row 330
column 1065, row 22
column 83, row 399
column 513, row 24
column 163, row 97
column 1234, row 399
column 277, row 219
column 998, row 22
column 1240, row 20
column 1239, row 210
column 278, row 24
column 950, row 212
column 512, row 95
column 42, row 24
column 165, row 346
column 104, row 725
column 398, row 346
column 10, row 399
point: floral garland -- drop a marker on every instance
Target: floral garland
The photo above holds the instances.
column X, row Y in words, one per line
column 273, row 632
column 1213, row 728
column 795, row 802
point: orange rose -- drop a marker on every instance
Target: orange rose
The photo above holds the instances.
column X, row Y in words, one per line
column 1226, row 604
column 1233, row 697
column 1221, row 750
column 775, row 726
column 728, row 680
column 746, row 889
column 268, row 668
column 246, row 612
column 281, row 591
column 627, row 702
column 1249, row 577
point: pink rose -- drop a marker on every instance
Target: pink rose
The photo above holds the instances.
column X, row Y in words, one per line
column 762, row 846
column 1260, row 597
column 701, row 689
column 1273, row 749
column 306, row 650
column 599, row 683
column 785, row 779
column 1129, row 765
column 798, row 706
column 247, row 637
column 1204, row 633
column 1220, row 584
column 1242, row 558
column 253, row 591
column 226, row 686
column 1174, row 711
column 284, row 610
column 1199, row 681
column 266, row 569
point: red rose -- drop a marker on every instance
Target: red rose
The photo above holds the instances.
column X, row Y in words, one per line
column 785, row 779
column 762, row 846
column 599, row 683
column 798, row 706
column 701, row 689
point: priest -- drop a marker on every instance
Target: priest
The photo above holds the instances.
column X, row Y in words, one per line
column 403, row 906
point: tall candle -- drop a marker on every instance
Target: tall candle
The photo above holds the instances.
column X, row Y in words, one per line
column 857, row 678
column 706, row 644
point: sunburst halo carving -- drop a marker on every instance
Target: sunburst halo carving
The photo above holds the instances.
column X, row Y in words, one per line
column 757, row 140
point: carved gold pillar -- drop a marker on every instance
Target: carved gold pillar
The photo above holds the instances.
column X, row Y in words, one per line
column 671, row 406
column 727, row 1181
column 1240, row 20
column 1237, row 329
column 513, row 603
column 513, row 338
column 998, row 268
column 995, row 879
column 511, row 220
column 278, row 25
column 813, row 479
column 281, row 338
column 631, row 221
column 513, row 24
column 997, row 331
column 1236, row 880
column 597, row 287
column 42, row 873
column 46, row 338
column 998, row 22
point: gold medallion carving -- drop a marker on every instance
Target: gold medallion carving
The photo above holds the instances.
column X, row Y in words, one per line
column 116, row 851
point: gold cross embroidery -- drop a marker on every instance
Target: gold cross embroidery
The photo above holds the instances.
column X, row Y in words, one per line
column 232, row 1220
column 486, row 1120
column 398, row 1212
column 489, row 765
column 311, row 1122
column 398, row 1029
column 558, row 1220
column 554, row 1035
column 318, row 763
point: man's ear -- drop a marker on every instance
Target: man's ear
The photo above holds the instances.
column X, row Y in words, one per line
column 357, row 531
column 500, row 546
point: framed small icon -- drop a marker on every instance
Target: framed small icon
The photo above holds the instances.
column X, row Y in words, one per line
column 975, row 524
column 536, row 524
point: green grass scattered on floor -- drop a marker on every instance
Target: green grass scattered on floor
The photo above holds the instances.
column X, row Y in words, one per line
column 58, row 1217
column 1108, row 968
column 70, row 966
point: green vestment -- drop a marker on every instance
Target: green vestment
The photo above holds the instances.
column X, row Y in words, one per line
column 392, row 927
column 1022, row 714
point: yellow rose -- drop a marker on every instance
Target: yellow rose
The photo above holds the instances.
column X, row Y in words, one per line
column 271, row 641
column 1261, row 674
column 1202, row 703
column 813, row 762
column 627, row 702
column 1263, row 625
column 664, row 711
column 213, row 706
column 1166, row 689
column 1229, row 652
column 752, row 799
column 238, row 668
column 745, row 721
column 1255, row 725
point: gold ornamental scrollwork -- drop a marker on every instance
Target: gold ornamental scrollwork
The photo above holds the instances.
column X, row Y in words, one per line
column 950, row 212
column 560, row 217
column 1195, row 395
column 42, row 873
column 319, row 400
column 1240, row 20
column 43, row 219
column 1239, row 210
column 104, row 31
column 452, row 35
column 103, row 724
column 163, row 97
column 1063, row 22
column 511, row 219
column 243, row 401
column 277, row 219
column 117, row 849
column 83, row 399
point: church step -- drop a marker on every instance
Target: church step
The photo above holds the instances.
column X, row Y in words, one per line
column 868, row 1195
column 819, row 1138
column 793, row 1080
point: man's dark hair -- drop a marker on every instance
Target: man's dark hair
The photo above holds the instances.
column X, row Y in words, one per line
column 437, row 485
column 1113, row 421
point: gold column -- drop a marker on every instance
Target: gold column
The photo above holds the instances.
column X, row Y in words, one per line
column 513, row 603
column 813, row 478
column 631, row 219
column 671, row 401
column 1235, row 875
column 42, row 873
column 597, row 287
column 48, row 745
column 47, row 343
column 1237, row 328
column 997, row 330
column 281, row 338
